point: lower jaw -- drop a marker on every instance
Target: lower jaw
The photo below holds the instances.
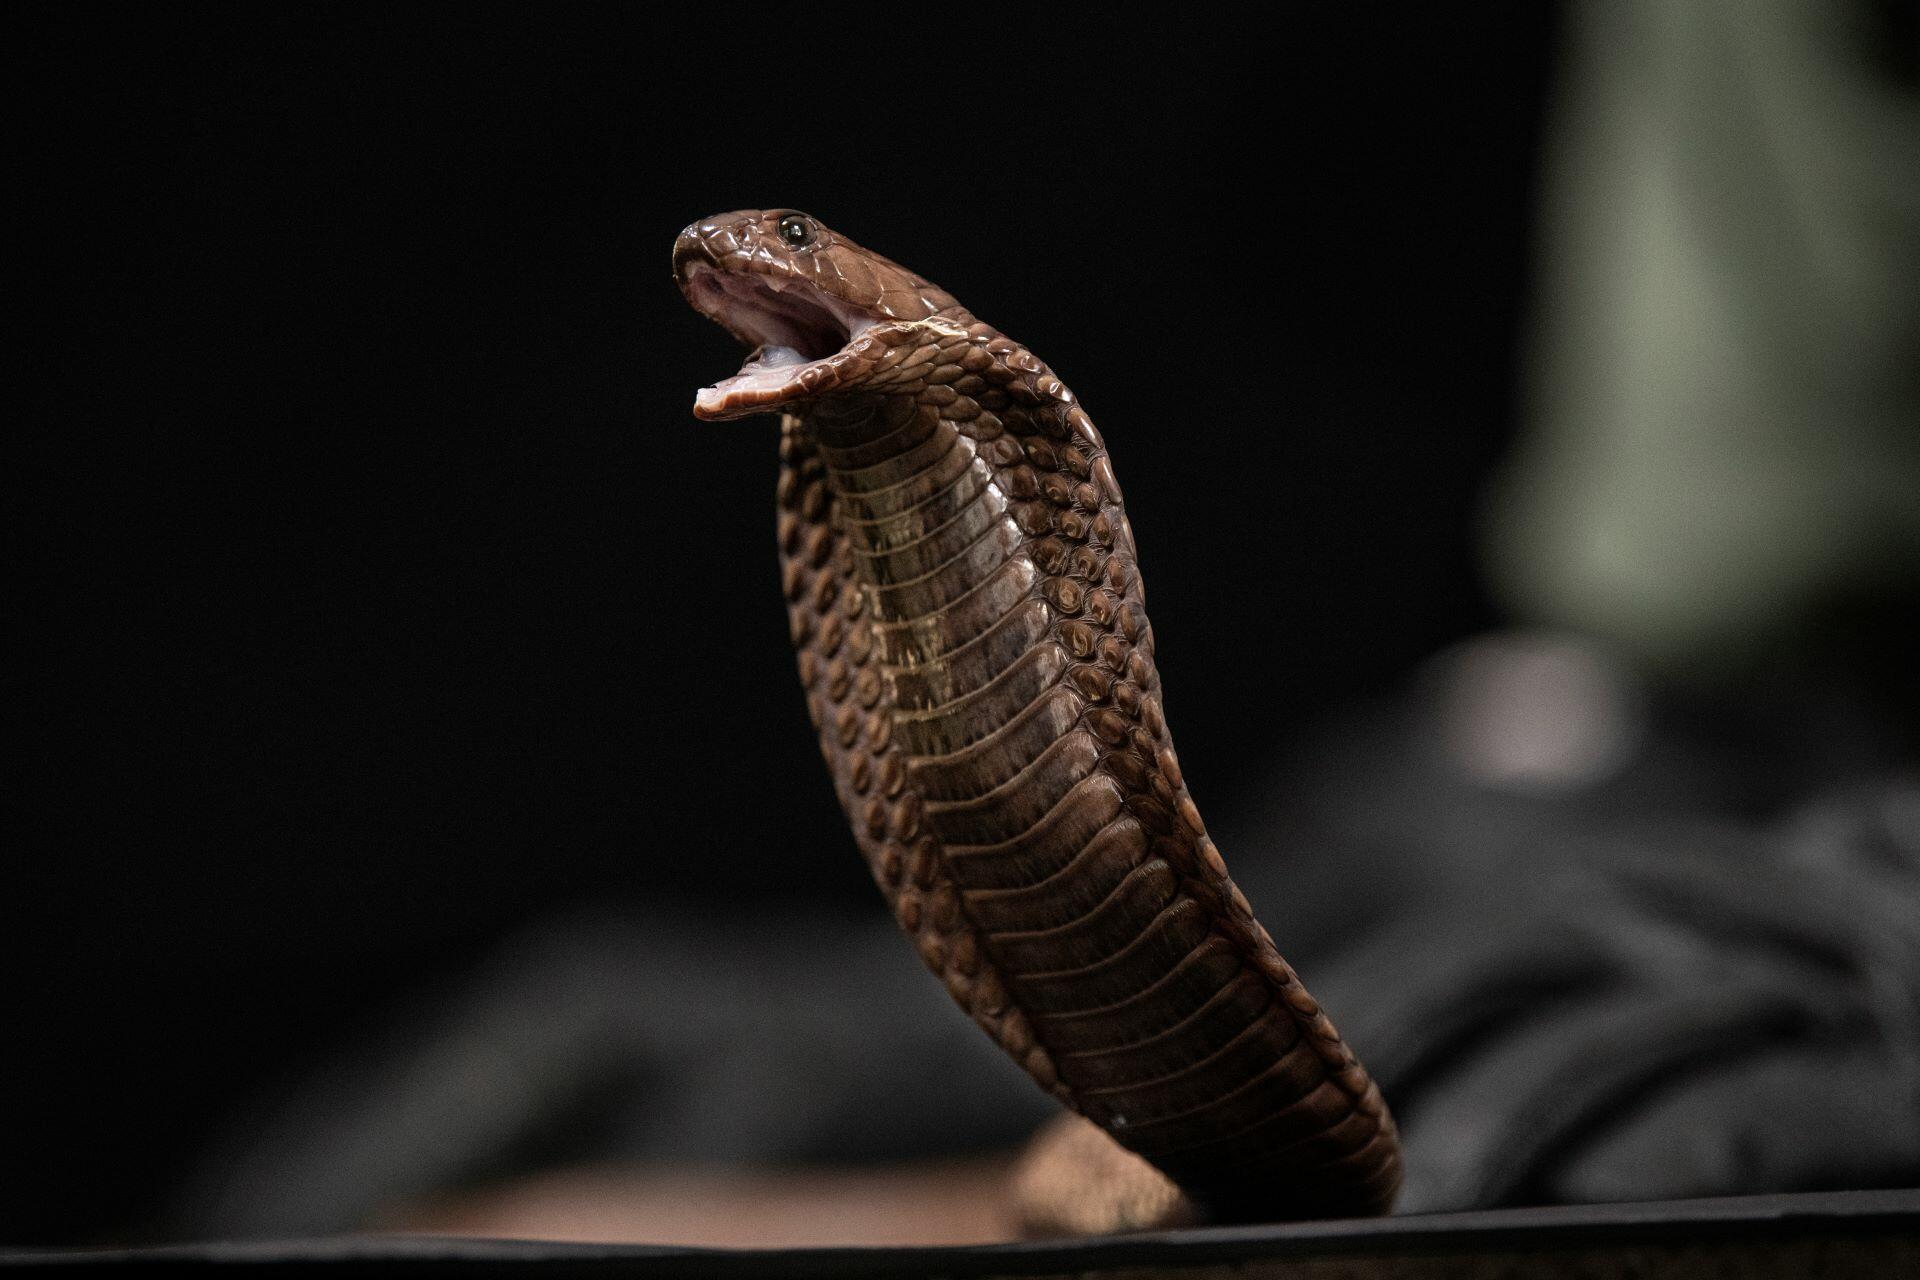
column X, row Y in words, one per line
column 771, row 377
column 763, row 389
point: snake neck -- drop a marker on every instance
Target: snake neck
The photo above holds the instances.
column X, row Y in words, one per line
column 926, row 526
column 971, row 631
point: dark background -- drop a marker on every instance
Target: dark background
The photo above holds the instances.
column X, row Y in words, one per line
column 381, row 592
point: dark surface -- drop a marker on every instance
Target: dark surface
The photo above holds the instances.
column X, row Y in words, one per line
column 1736, row 1236
column 355, row 483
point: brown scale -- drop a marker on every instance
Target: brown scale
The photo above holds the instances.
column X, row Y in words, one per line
column 966, row 604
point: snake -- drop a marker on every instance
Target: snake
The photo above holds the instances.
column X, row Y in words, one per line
column 964, row 597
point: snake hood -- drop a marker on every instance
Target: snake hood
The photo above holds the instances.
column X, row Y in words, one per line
column 804, row 297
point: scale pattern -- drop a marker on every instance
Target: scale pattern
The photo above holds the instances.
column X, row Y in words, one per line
column 966, row 603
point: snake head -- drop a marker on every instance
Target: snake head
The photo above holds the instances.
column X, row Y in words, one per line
column 807, row 300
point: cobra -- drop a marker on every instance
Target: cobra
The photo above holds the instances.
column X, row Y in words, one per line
column 964, row 595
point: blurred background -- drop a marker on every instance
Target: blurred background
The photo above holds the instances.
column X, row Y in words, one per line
column 413, row 820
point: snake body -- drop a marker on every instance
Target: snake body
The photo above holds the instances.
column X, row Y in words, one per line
column 964, row 597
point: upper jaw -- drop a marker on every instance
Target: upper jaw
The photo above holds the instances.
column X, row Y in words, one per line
column 794, row 328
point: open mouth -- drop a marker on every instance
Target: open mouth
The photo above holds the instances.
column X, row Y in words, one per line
column 791, row 325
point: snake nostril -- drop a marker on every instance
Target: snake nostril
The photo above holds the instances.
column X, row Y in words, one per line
column 689, row 247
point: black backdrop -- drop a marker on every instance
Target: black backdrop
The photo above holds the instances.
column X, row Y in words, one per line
column 382, row 593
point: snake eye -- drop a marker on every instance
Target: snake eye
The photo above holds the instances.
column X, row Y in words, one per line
column 797, row 230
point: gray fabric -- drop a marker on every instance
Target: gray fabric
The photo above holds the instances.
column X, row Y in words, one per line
column 1633, row 988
